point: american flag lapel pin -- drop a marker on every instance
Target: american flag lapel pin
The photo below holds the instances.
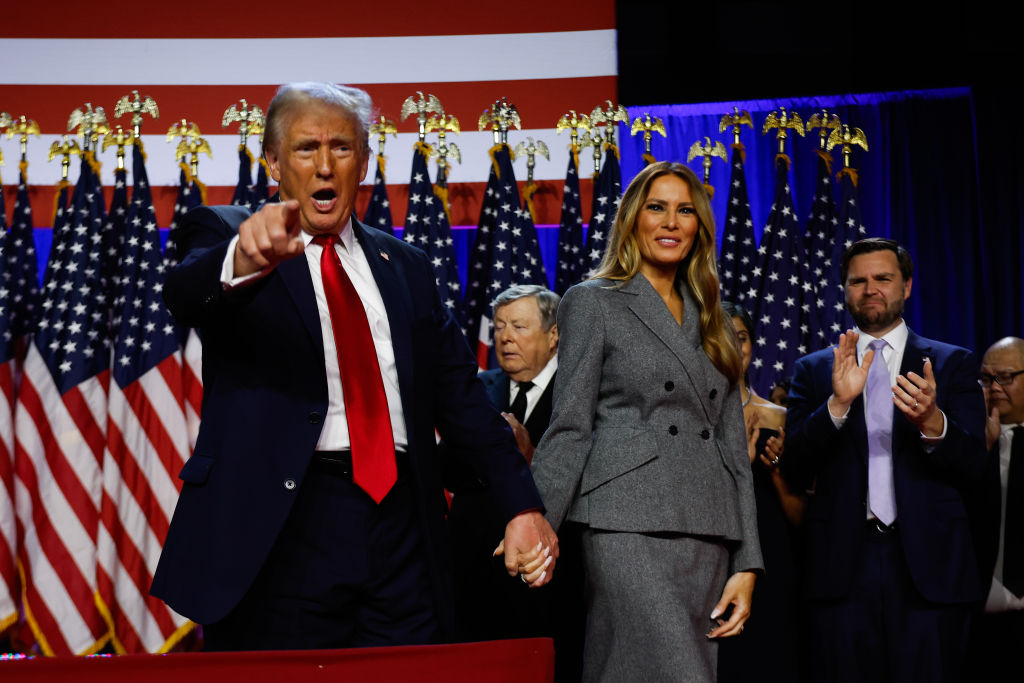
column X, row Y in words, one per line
column 384, row 255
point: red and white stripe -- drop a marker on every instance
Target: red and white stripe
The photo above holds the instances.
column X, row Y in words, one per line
column 147, row 444
column 545, row 62
column 9, row 586
column 59, row 446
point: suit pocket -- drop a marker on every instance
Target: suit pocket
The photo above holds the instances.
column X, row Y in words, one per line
column 615, row 451
column 196, row 469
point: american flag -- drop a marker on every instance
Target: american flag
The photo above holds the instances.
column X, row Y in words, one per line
column 819, row 236
column 60, row 425
column 607, row 195
column 378, row 211
column 22, row 266
column 243, row 189
column 50, row 69
column 113, row 241
column 501, row 255
column 147, row 439
column 849, row 228
column 739, row 249
column 10, row 590
column 781, row 290
column 260, row 193
column 570, row 230
column 426, row 227
column 189, row 196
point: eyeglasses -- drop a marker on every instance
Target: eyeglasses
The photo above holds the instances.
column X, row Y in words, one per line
column 1003, row 379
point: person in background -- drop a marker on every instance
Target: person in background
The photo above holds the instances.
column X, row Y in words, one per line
column 767, row 649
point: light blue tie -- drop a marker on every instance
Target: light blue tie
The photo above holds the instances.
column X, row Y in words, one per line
column 878, row 409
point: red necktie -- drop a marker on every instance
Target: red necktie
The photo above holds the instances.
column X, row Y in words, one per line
column 366, row 405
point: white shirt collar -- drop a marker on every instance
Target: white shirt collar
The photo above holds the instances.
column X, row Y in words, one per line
column 543, row 378
column 896, row 338
column 346, row 237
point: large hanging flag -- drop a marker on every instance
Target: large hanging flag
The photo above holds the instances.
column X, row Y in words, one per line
column 260, row 192
column 147, row 440
column 477, row 300
column 781, row 291
column 60, row 424
column 528, row 268
column 189, row 197
column 113, row 240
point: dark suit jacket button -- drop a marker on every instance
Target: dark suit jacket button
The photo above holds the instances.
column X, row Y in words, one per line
column 289, row 484
column 315, row 418
column 714, row 392
column 673, row 430
column 669, row 385
column 705, row 435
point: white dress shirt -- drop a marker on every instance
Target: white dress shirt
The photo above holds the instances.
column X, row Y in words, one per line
column 540, row 385
column 1000, row 598
column 334, row 435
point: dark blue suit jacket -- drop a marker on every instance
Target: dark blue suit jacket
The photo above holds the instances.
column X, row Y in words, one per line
column 931, row 488
column 265, row 396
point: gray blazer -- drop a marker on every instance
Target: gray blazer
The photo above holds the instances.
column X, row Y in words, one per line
column 646, row 435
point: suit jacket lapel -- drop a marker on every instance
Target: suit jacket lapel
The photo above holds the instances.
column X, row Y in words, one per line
column 916, row 350
column 299, row 285
column 541, row 415
column 683, row 341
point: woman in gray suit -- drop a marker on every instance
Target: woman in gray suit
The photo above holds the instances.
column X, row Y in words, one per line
column 647, row 446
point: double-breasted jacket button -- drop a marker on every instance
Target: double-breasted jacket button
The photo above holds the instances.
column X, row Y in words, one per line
column 315, row 418
column 714, row 392
column 289, row 484
column 705, row 435
column 669, row 385
column 673, row 430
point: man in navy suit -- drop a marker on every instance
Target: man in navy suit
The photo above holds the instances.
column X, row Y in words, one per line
column 890, row 428
column 312, row 510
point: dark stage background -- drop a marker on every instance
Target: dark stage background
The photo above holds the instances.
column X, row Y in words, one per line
column 936, row 91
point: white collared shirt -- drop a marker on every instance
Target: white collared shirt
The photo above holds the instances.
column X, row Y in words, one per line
column 540, row 385
column 1000, row 598
column 334, row 435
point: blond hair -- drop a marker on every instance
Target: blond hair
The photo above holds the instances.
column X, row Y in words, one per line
column 622, row 261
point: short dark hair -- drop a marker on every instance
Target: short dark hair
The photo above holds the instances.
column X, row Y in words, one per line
column 866, row 246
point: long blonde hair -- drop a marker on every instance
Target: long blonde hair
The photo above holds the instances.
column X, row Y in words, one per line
column 622, row 261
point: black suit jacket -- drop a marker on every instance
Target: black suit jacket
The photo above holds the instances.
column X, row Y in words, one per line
column 933, row 489
column 265, row 396
column 497, row 383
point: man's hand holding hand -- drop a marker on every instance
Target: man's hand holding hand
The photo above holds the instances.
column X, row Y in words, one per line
column 530, row 548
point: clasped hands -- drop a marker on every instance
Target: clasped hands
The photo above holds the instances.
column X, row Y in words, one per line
column 915, row 396
column 530, row 548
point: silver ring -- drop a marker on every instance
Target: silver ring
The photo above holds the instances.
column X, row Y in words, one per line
column 523, row 577
column 915, row 404
column 775, row 460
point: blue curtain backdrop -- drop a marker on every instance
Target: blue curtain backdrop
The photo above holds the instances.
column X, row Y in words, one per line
column 949, row 188
column 920, row 183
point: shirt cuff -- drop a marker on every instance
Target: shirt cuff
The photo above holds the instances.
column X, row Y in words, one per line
column 840, row 420
column 227, row 269
column 930, row 442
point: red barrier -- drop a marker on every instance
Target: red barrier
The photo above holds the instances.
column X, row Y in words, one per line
column 500, row 661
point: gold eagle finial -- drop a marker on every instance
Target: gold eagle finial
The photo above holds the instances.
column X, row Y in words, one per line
column 64, row 148
column 783, row 122
column 249, row 116
column 708, row 150
column 847, row 137
column 737, row 119
column 137, row 105
column 421, row 105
